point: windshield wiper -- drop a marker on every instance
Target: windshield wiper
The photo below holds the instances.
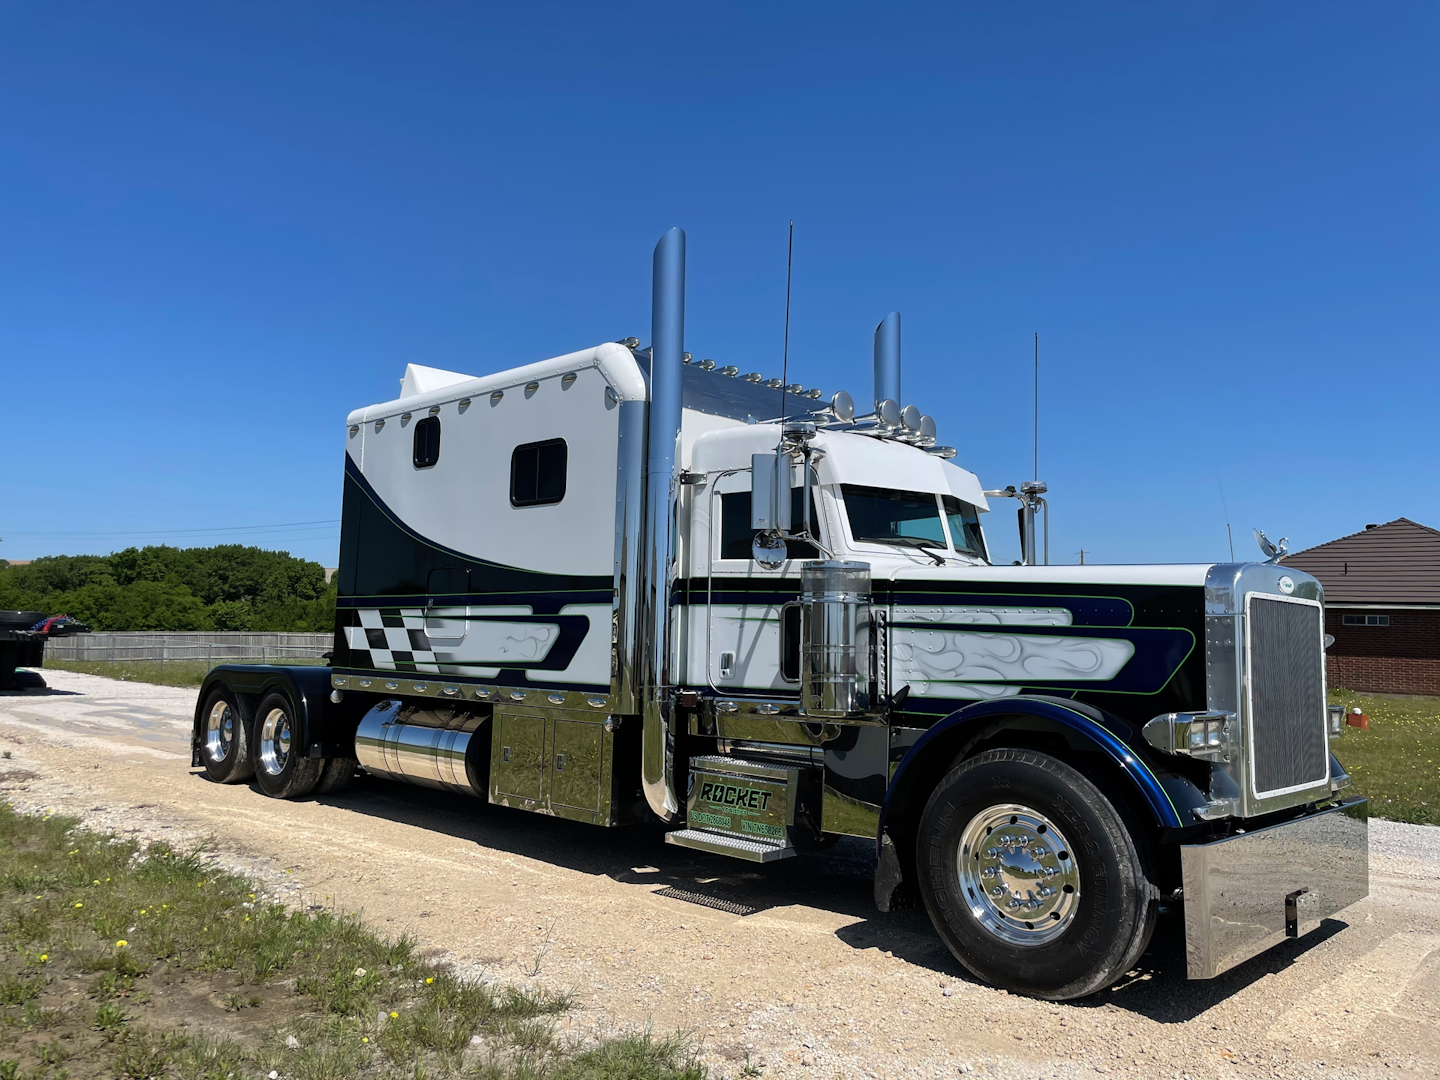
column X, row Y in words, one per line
column 916, row 542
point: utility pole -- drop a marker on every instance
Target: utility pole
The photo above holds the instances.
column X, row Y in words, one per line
column 1082, row 556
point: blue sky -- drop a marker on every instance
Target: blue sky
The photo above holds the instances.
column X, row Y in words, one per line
column 223, row 226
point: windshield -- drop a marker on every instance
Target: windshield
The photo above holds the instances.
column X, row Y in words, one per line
column 882, row 516
column 965, row 531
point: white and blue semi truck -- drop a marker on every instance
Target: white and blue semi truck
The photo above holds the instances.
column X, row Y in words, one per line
column 623, row 585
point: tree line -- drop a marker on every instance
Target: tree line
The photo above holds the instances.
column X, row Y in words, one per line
column 228, row 587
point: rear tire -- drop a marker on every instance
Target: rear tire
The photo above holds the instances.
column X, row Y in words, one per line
column 281, row 769
column 1031, row 877
column 336, row 775
column 224, row 739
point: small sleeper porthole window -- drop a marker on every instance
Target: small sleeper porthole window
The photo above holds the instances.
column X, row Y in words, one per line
column 537, row 473
column 427, row 442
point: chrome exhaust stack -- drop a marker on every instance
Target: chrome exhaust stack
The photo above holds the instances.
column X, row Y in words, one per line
column 887, row 367
column 667, row 350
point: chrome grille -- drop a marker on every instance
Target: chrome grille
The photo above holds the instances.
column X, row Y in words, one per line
column 1289, row 749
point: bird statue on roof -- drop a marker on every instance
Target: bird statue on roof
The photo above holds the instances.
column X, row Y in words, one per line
column 1272, row 552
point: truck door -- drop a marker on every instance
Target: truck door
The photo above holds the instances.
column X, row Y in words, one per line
column 446, row 606
column 753, row 621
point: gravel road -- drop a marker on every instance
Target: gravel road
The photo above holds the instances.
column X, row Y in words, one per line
column 787, row 967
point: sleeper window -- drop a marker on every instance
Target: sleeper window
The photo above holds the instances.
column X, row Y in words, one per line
column 427, row 442
column 537, row 473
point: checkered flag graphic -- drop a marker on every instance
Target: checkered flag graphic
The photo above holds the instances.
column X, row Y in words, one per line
column 391, row 639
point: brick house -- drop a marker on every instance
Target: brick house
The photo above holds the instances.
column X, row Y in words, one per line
column 1382, row 604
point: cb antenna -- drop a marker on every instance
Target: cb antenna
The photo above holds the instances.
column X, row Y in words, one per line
column 1036, row 474
column 1226, row 508
column 785, row 354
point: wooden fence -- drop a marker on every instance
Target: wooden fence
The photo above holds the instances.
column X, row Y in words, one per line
column 218, row 647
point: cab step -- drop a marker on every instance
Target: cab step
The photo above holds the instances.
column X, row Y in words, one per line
column 737, row 847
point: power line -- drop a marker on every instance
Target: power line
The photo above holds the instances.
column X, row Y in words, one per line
column 175, row 532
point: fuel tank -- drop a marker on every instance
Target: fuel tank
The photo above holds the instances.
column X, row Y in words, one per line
column 430, row 747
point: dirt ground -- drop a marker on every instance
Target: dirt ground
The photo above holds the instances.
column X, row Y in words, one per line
column 787, row 968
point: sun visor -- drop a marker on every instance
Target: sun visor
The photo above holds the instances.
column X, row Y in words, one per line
column 859, row 459
column 965, row 486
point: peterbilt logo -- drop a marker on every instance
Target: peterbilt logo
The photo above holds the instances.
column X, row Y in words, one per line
column 730, row 795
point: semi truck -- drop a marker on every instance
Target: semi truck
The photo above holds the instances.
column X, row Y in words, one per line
column 623, row 585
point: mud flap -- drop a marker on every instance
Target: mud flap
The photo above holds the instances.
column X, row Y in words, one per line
column 892, row 891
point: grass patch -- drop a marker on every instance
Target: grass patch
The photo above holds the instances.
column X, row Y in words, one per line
column 162, row 672
column 118, row 960
column 1396, row 763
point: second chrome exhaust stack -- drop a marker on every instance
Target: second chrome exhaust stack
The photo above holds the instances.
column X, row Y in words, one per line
column 667, row 350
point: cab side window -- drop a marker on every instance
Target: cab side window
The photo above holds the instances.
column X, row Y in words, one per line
column 736, row 536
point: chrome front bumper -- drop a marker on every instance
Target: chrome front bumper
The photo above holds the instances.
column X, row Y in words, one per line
column 1248, row 892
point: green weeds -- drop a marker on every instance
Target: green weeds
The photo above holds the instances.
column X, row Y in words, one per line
column 1396, row 763
column 188, row 972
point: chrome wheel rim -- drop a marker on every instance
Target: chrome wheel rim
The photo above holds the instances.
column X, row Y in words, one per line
column 1018, row 875
column 275, row 741
column 219, row 731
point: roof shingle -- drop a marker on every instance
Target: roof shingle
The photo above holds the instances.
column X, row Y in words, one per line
column 1394, row 563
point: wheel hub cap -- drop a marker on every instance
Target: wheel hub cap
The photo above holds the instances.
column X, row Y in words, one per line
column 1018, row 874
column 275, row 742
column 219, row 731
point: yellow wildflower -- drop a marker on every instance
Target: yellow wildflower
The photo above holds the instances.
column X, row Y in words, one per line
column 122, row 943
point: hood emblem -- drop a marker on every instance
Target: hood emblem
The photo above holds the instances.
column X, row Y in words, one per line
column 1287, row 584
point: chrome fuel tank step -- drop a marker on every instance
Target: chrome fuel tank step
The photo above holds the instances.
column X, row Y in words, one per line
column 419, row 746
column 737, row 847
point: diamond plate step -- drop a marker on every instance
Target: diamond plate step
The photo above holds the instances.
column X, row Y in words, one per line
column 722, row 844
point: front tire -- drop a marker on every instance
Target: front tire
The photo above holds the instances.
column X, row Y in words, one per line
column 281, row 767
column 225, row 740
column 1031, row 877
